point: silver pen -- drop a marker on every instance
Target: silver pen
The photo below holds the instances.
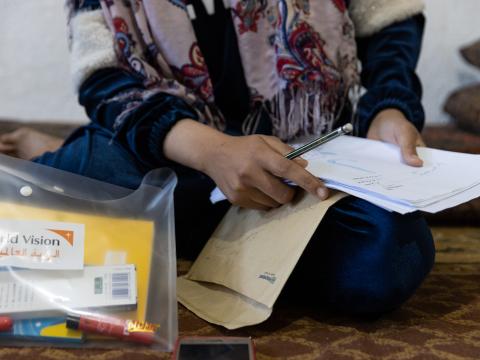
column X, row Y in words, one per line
column 345, row 129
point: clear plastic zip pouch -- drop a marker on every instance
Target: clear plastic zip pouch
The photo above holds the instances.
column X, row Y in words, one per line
column 85, row 263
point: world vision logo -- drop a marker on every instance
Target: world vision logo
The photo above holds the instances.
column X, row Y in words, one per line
column 66, row 234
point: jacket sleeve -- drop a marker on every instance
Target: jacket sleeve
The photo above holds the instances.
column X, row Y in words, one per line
column 389, row 58
column 106, row 96
column 108, row 92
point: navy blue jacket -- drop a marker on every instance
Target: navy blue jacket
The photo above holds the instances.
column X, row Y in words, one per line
column 389, row 59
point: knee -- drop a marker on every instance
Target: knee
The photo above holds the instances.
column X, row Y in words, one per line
column 398, row 244
column 375, row 295
column 382, row 270
column 407, row 243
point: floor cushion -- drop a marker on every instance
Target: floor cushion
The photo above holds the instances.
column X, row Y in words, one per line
column 463, row 106
column 471, row 53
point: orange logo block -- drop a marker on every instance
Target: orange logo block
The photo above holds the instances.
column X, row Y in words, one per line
column 66, row 234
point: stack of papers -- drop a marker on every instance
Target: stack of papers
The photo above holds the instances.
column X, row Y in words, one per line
column 374, row 171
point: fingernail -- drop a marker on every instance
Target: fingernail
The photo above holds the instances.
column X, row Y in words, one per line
column 322, row 193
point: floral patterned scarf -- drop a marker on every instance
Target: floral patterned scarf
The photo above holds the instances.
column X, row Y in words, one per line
column 298, row 56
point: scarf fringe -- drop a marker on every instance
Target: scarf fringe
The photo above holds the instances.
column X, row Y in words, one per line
column 354, row 95
column 295, row 113
column 251, row 122
column 213, row 117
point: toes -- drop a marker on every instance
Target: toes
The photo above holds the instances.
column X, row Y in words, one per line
column 6, row 148
column 8, row 139
column 15, row 136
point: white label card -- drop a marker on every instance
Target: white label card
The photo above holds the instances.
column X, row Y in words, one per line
column 25, row 293
column 41, row 244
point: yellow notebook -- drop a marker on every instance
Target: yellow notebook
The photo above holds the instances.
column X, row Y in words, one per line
column 106, row 238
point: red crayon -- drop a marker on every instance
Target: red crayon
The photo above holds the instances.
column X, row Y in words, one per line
column 128, row 330
column 6, row 323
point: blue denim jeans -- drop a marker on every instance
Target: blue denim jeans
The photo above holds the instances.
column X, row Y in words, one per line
column 361, row 260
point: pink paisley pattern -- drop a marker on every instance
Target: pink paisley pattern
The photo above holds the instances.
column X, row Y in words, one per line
column 122, row 37
column 195, row 74
column 302, row 5
column 307, row 62
column 249, row 13
column 341, row 5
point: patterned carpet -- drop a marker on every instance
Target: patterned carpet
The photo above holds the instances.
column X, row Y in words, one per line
column 442, row 321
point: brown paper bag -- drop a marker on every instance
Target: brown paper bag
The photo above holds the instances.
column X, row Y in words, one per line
column 241, row 271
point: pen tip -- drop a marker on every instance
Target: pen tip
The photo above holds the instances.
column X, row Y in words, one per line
column 347, row 128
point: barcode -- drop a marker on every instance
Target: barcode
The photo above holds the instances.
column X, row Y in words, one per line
column 98, row 285
column 120, row 285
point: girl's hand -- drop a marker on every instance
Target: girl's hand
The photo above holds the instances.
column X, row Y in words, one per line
column 391, row 126
column 250, row 170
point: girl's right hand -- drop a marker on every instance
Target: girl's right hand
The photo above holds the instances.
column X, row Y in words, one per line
column 250, row 170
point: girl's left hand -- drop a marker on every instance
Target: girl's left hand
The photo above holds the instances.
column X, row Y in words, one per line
column 391, row 126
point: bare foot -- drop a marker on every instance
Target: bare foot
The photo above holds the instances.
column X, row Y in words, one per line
column 26, row 143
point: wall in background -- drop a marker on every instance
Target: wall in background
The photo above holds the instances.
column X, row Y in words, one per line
column 450, row 25
column 35, row 81
column 34, row 70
